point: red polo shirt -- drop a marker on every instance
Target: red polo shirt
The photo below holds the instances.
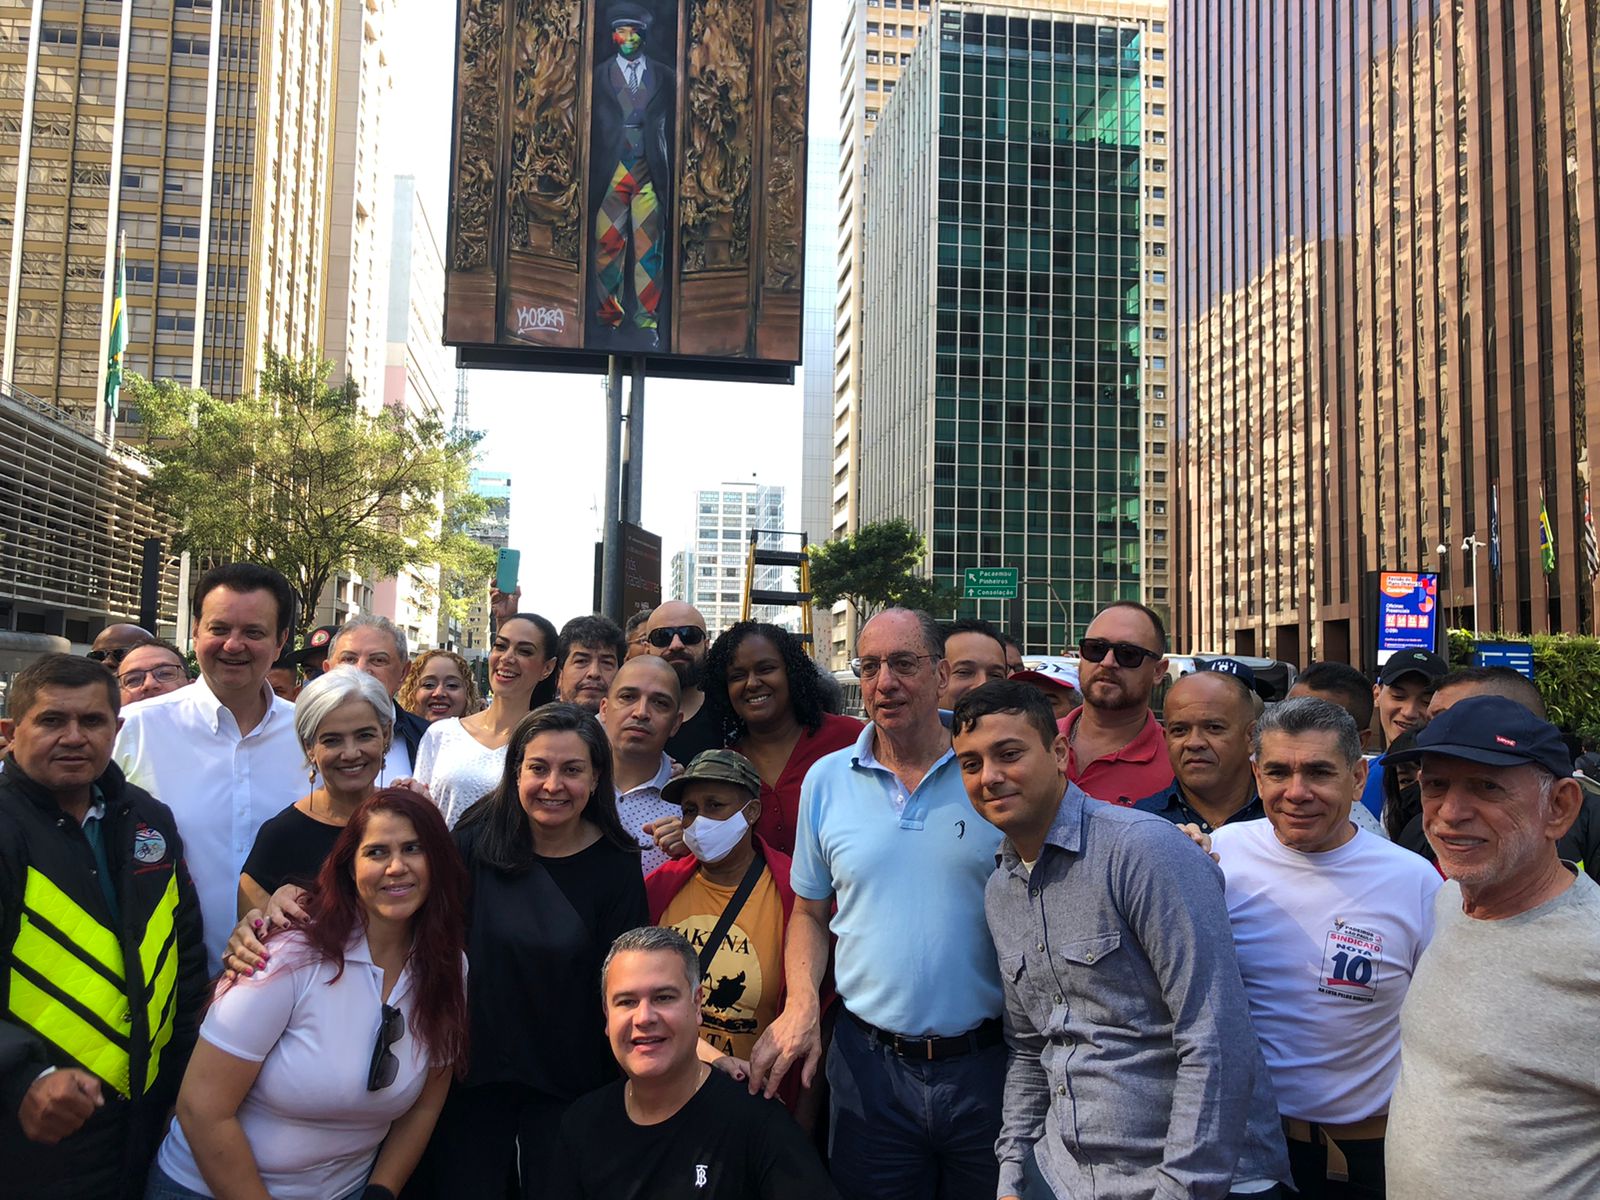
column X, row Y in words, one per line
column 1138, row 771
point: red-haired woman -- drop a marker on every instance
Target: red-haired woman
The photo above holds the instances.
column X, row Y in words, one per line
column 346, row 1040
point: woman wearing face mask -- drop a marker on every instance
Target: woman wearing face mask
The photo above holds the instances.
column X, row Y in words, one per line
column 733, row 895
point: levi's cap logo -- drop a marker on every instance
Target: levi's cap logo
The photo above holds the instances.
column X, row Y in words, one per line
column 1504, row 741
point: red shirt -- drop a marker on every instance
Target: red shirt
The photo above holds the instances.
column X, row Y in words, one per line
column 780, row 805
column 1139, row 771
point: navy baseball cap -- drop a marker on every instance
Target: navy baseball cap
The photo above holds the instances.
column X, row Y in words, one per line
column 1413, row 662
column 1231, row 666
column 1494, row 731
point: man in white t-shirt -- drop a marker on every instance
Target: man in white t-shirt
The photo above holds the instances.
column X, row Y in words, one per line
column 1329, row 922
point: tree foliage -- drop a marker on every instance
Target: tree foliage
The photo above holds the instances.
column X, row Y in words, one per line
column 1566, row 670
column 875, row 568
column 301, row 476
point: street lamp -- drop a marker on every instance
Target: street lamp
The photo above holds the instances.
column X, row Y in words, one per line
column 1470, row 545
column 1443, row 550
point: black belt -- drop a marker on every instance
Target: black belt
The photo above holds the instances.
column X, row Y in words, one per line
column 933, row 1049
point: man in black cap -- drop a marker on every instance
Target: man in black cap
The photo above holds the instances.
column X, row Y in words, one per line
column 631, row 176
column 1400, row 698
column 1497, row 1096
column 312, row 657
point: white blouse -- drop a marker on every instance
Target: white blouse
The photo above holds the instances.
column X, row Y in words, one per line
column 312, row 1125
column 458, row 769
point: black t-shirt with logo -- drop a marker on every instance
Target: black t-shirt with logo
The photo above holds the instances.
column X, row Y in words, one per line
column 724, row 1144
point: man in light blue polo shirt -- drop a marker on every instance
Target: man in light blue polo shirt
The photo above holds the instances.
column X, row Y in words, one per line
column 917, row 1064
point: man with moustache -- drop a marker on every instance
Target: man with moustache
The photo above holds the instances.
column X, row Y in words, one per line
column 676, row 632
column 1134, row 1072
column 639, row 714
column 1211, row 718
column 587, row 656
column 1498, row 1093
column 1115, row 749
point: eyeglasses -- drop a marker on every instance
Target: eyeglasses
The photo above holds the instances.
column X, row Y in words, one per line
column 171, row 674
column 113, row 656
column 904, row 664
column 1127, row 654
column 385, row 1066
column 689, row 635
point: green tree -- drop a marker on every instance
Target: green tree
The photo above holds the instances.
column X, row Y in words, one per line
column 301, row 476
column 876, row 567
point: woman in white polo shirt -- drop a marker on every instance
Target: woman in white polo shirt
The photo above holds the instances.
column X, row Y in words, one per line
column 346, row 1039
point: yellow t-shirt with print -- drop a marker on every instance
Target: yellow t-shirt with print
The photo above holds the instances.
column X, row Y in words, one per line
column 741, row 989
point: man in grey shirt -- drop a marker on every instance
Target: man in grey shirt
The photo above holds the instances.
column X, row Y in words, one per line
column 1134, row 1070
column 1498, row 1093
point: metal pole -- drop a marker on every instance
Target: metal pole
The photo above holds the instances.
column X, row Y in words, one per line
column 611, row 566
column 183, row 601
column 1477, row 625
column 633, row 497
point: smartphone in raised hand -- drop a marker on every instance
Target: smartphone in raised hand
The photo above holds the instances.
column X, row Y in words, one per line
column 507, row 566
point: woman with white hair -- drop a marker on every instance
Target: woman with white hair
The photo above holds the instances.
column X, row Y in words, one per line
column 345, row 722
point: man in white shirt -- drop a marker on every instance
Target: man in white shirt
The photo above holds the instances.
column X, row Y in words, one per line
column 640, row 713
column 222, row 753
column 374, row 644
column 1329, row 922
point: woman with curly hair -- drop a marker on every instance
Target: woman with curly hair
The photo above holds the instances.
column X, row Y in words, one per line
column 321, row 1072
column 771, row 704
column 439, row 684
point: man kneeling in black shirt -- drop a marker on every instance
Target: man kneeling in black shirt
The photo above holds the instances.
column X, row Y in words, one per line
column 674, row 1127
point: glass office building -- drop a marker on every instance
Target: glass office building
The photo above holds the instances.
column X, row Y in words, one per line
column 1004, row 402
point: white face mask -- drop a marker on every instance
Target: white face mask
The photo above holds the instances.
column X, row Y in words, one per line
column 712, row 841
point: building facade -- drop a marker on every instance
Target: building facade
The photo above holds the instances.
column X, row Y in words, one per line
column 73, row 520
column 1385, row 309
column 197, row 128
column 876, row 41
column 493, row 531
column 1011, row 348
column 417, row 377
column 710, row 573
column 816, row 453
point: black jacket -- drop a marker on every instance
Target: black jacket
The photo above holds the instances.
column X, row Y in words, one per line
column 52, row 909
column 409, row 728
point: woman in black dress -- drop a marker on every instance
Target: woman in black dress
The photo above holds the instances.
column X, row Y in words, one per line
column 345, row 721
column 555, row 879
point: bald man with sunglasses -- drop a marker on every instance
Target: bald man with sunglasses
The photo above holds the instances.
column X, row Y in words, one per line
column 1115, row 748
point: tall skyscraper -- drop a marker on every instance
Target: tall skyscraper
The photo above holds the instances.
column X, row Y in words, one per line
column 710, row 572
column 361, row 213
column 876, row 40
column 1013, row 354
column 1387, row 308
column 200, row 129
column 417, row 378
column 816, row 465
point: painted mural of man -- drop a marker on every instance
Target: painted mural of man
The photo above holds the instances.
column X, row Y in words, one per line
column 633, row 102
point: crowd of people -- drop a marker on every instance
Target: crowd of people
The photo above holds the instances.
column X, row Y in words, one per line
column 655, row 918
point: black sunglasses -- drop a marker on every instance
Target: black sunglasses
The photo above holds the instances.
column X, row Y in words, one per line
column 113, row 656
column 690, row 635
column 385, row 1066
column 1127, row 654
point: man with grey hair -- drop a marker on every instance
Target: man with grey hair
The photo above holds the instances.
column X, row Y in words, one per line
column 917, row 1065
column 1498, row 1094
column 626, row 1140
column 1329, row 922
column 374, row 644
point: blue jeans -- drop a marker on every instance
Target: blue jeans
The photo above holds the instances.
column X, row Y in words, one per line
column 908, row 1129
column 161, row 1186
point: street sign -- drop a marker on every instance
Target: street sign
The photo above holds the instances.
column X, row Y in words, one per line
column 989, row 583
column 1516, row 655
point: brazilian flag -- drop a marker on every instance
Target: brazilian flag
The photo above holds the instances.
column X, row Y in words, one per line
column 119, row 331
column 1547, row 540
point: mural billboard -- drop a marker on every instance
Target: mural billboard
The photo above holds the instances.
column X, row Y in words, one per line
column 628, row 178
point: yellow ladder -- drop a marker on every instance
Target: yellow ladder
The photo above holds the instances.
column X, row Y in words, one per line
column 761, row 556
